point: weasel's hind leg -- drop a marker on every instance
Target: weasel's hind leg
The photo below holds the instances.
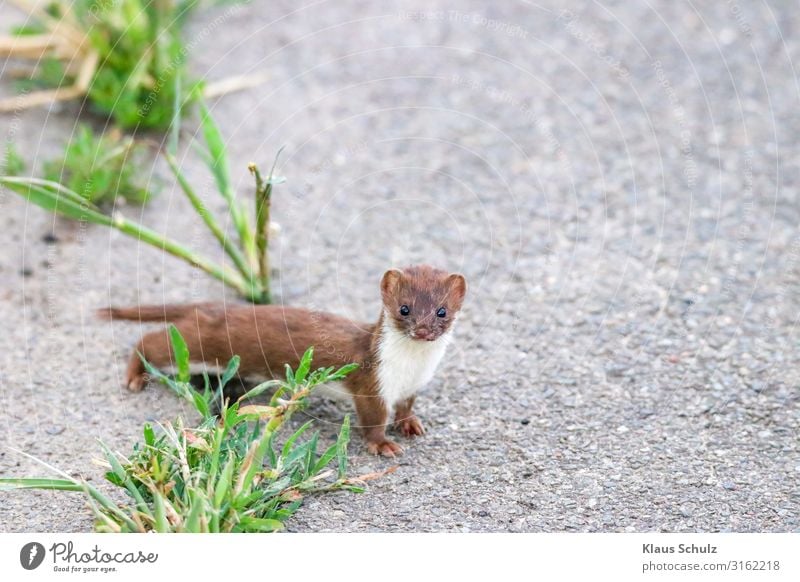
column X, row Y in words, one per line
column 156, row 347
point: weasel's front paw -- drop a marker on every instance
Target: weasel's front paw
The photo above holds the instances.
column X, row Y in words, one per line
column 410, row 426
column 386, row 448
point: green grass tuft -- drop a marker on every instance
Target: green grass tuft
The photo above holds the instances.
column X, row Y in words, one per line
column 227, row 474
column 247, row 248
column 13, row 164
column 135, row 49
column 101, row 168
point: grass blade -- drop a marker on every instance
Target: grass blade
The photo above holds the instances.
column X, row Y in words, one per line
column 341, row 447
column 260, row 389
column 326, row 458
column 40, row 483
column 259, row 524
column 218, row 157
column 181, row 353
column 304, row 366
column 53, row 197
column 227, row 244
column 291, row 440
column 217, row 163
column 175, row 123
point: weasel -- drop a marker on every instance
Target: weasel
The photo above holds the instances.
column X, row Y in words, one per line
column 397, row 355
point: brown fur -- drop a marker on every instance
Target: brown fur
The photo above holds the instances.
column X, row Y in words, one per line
column 267, row 337
column 424, row 290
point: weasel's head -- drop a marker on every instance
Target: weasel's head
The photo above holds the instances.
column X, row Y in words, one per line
column 421, row 301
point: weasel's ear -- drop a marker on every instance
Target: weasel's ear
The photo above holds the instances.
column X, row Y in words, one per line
column 457, row 288
column 391, row 279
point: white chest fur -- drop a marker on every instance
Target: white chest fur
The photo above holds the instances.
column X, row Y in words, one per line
column 406, row 365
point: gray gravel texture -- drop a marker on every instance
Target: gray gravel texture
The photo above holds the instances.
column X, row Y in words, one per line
column 617, row 180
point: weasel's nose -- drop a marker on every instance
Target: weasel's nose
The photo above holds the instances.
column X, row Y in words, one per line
column 424, row 333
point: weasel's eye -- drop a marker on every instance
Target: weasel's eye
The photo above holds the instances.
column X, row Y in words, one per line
column 404, row 310
column 442, row 312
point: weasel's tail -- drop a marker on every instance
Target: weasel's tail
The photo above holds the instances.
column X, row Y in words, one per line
column 150, row 312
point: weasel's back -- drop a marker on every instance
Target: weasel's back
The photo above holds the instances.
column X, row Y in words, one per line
column 260, row 334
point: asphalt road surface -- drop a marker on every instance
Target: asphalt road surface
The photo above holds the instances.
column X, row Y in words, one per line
column 618, row 181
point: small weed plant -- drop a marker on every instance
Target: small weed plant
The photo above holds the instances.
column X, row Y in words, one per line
column 248, row 248
column 233, row 472
column 101, row 168
column 126, row 57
